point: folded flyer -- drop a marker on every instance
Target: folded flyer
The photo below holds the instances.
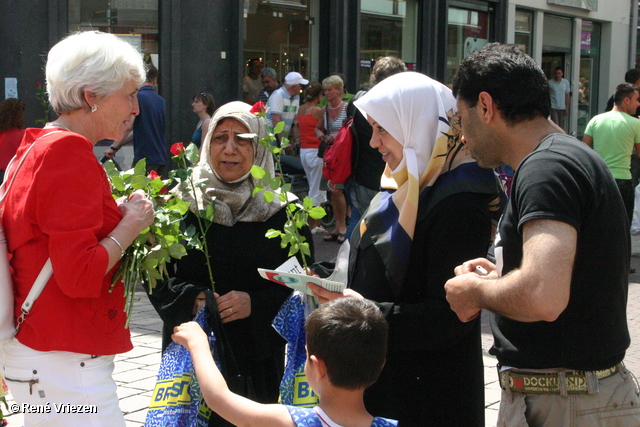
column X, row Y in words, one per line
column 290, row 274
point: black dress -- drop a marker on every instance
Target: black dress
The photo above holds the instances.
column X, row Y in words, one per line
column 236, row 252
column 434, row 372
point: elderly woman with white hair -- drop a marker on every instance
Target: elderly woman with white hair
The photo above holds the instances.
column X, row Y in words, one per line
column 60, row 207
column 237, row 246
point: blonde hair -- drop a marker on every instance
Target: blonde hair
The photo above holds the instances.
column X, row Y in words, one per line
column 334, row 81
column 99, row 62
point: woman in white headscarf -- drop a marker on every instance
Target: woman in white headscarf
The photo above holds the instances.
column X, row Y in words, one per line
column 237, row 247
column 433, row 211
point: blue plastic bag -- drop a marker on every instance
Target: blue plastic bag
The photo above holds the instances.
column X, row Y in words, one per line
column 176, row 399
column 289, row 323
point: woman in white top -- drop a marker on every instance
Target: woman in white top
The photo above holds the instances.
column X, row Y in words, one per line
column 333, row 116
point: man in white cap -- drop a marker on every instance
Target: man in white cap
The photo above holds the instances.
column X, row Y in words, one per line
column 283, row 103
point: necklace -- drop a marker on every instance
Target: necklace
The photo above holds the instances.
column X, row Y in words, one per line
column 337, row 106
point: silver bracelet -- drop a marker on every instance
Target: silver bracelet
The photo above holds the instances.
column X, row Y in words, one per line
column 117, row 243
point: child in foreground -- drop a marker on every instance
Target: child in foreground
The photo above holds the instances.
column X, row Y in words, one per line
column 346, row 348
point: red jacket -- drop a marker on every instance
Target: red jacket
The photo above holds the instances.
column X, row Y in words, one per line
column 60, row 206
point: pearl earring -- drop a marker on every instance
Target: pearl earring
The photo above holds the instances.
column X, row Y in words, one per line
column 94, row 108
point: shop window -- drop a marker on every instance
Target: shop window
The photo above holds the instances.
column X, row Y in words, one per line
column 467, row 32
column 277, row 33
column 136, row 21
column 589, row 74
column 524, row 30
column 388, row 27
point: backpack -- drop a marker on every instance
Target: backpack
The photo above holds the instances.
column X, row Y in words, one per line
column 337, row 157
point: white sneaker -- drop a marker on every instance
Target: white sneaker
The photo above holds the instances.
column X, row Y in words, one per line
column 318, row 230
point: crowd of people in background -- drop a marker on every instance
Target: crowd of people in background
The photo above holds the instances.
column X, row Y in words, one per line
column 419, row 212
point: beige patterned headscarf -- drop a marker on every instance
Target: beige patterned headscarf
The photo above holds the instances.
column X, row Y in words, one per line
column 232, row 201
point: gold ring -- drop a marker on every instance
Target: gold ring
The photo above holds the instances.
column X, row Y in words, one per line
column 231, row 308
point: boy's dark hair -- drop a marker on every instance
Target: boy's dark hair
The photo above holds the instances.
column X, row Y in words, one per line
column 384, row 67
column 350, row 336
column 512, row 78
column 623, row 90
column 152, row 73
column 632, row 76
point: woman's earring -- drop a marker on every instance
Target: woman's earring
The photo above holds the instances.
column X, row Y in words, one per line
column 94, row 108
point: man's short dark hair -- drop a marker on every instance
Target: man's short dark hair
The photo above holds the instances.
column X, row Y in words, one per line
column 350, row 336
column 560, row 68
column 624, row 90
column 632, row 76
column 384, row 67
column 152, row 73
column 252, row 60
column 499, row 69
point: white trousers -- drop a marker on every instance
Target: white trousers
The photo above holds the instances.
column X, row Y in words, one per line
column 312, row 165
column 61, row 389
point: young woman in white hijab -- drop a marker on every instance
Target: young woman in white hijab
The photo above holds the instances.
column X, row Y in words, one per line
column 433, row 211
column 237, row 247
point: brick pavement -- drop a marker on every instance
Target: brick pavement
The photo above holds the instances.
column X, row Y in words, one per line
column 136, row 370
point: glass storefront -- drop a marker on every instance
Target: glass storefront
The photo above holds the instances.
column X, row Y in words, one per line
column 388, row 27
column 467, row 32
column 136, row 21
column 524, row 30
column 278, row 33
column 589, row 74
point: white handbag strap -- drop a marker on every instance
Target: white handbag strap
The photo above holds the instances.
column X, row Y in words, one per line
column 47, row 269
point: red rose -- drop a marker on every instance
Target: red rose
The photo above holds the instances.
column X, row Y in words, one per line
column 258, row 107
column 153, row 175
column 177, row 148
column 38, row 84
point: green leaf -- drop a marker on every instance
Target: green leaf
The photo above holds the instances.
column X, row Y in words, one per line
column 271, row 234
column 307, row 203
column 283, row 197
column 209, row 213
column 317, row 212
column 140, row 168
column 268, row 196
column 118, row 182
column 139, row 182
column 304, row 248
column 149, row 263
column 257, row 172
column 177, row 250
column 179, row 205
column 192, row 154
column 279, row 127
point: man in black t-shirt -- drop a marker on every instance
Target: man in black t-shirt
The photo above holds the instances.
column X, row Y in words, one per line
column 558, row 290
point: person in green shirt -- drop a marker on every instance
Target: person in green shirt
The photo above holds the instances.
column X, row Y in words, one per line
column 614, row 135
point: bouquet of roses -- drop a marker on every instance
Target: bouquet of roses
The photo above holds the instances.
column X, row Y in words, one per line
column 146, row 258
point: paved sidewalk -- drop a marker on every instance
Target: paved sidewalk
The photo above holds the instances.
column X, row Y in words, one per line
column 135, row 371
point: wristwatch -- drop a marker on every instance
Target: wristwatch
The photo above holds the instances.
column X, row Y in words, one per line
column 114, row 148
